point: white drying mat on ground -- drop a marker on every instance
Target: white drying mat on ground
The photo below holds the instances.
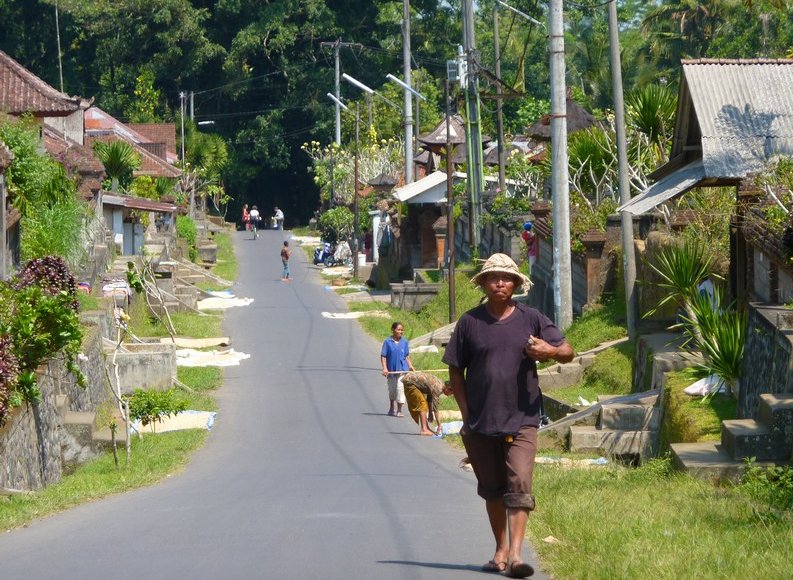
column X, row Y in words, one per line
column 197, row 342
column 189, row 357
column 216, row 303
column 358, row 314
column 306, row 240
column 424, row 348
column 178, row 422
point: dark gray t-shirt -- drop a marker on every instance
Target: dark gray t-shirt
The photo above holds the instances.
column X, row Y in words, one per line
column 500, row 379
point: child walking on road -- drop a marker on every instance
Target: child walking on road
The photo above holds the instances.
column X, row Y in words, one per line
column 286, row 253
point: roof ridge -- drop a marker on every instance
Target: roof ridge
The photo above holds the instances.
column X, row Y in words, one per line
column 746, row 61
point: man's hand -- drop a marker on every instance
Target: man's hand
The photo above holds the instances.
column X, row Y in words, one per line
column 384, row 372
column 542, row 351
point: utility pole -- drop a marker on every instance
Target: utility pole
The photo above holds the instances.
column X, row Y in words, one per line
column 562, row 275
column 502, row 179
column 192, row 106
column 449, row 207
column 474, row 140
column 336, row 46
column 628, row 252
column 408, row 98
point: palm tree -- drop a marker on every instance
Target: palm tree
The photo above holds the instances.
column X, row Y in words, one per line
column 681, row 268
column 652, row 111
column 119, row 160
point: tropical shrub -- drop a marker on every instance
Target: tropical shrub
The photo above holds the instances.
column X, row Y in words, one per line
column 55, row 230
column 119, row 160
column 35, row 181
column 153, row 406
column 9, row 369
column 38, row 314
column 336, row 225
column 186, row 228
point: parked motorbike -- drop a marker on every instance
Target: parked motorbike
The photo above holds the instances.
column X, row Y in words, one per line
column 323, row 254
column 326, row 254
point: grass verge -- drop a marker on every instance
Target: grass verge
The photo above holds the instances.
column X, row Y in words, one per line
column 691, row 419
column 617, row 522
column 611, row 373
column 153, row 458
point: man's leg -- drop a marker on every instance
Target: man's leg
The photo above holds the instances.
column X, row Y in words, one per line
column 424, row 427
column 517, row 519
column 497, row 515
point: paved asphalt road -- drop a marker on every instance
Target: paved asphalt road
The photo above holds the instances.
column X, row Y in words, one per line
column 303, row 476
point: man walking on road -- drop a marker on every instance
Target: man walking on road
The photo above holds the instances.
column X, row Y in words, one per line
column 492, row 357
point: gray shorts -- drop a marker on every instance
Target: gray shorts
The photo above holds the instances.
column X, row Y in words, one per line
column 396, row 390
column 504, row 470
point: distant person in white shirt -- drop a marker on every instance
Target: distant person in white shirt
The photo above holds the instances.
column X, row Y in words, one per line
column 279, row 218
column 254, row 218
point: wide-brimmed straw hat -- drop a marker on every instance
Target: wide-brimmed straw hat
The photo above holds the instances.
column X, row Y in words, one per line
column 503, row 264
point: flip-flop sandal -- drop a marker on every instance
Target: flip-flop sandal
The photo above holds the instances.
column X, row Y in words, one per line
column 519, row 570
column 399, row 415
column 391, row 413
column 493, row 566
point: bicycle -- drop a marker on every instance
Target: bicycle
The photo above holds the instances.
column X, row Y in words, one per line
column 254, row 224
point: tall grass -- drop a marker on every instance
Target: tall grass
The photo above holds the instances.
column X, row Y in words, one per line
column 226, row 266
column 643, row 523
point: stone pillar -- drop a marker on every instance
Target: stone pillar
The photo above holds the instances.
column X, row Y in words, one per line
column 594, row 242
column 747, row 194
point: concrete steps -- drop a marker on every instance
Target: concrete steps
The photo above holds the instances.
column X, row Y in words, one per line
column 623, row 428
column 768, row 439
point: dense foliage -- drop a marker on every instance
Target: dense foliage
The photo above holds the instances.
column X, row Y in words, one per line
column 261, row 70
column 38, row 320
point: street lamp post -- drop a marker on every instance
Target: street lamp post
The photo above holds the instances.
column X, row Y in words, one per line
column 408, row 132
column 354, row 187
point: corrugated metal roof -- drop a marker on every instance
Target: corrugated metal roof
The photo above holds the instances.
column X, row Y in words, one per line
column 665, row 189
column 744, row 109
column 426, row 190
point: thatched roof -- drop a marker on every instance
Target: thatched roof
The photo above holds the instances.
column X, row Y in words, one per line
column 578, row 118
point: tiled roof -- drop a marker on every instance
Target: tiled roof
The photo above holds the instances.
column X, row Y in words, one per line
column 71, row 154
column 23, row 92
column 158, row 133
column 98, row 120
column 151, row 165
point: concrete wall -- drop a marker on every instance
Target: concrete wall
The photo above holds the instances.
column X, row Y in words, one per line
column 149, row 366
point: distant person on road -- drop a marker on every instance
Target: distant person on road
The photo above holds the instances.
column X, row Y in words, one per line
column 279, row 218
column 422, row 392
column 246, row 217
column 254, row 218
column 395, row 361
column 492, row 357
column 286, row 253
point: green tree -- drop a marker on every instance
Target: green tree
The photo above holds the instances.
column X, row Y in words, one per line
column 119, row 160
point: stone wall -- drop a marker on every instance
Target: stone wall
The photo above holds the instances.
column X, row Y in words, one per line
column 768, row 357
column 30, row 442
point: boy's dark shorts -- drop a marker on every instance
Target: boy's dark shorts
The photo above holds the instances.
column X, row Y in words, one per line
column 504, row 470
